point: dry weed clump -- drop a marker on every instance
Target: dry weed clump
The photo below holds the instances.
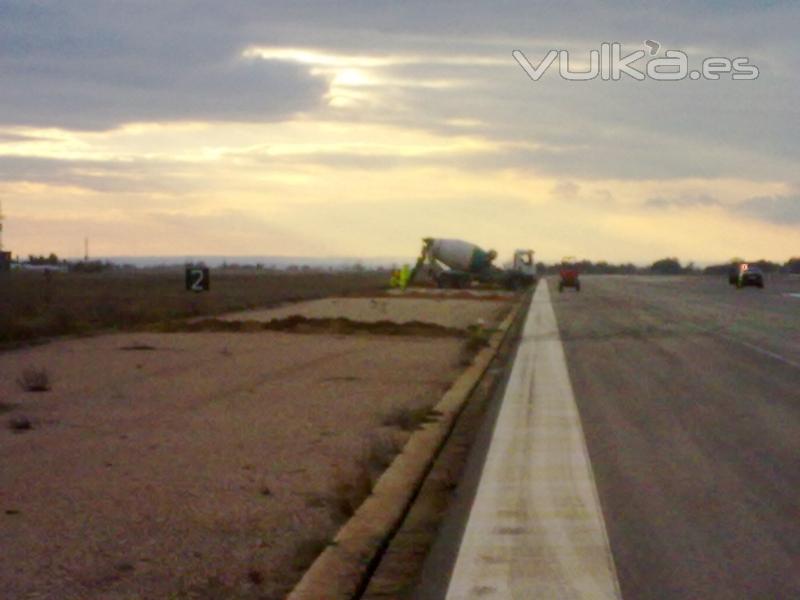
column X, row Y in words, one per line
column 351, row 488
column 34, row 379
column 477, row 339
column 349, row 491
column 381, row 450
column 410, row 419
column 21, row 423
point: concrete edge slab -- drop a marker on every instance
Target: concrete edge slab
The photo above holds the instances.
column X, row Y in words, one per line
column 339, row 572
column 535, row 528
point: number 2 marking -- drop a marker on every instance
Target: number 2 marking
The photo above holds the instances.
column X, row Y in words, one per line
column 197, row 284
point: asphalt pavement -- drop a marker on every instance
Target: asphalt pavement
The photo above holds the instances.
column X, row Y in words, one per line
column 688, row 392
column 689, row 395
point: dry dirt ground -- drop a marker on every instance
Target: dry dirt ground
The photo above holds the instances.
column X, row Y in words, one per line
column 202, row 465
column 439, row 310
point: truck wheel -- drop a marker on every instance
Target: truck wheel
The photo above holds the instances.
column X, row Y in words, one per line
column 448, row 281
column 578, row 287
column 560, row 287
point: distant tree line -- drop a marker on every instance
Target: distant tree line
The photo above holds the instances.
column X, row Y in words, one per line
column 94, row 266
column 767, row 266
column 665, row 266
column 51, row 260
column 586, row 266
column 83, row 266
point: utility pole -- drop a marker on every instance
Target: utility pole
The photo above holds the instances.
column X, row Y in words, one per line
column 86, row 249
column 5, row 257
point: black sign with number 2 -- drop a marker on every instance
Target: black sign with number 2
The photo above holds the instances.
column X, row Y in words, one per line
column 198, row 280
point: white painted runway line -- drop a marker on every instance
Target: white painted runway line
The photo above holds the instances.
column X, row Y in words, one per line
column 764, row 351
column 536, row 529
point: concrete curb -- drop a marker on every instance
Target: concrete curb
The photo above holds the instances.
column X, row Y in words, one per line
column 339, row 572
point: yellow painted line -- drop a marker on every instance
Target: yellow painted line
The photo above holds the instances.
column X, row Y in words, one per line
column 536, row 529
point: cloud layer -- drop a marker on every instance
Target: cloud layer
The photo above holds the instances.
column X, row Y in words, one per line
column 98, row 65
column 269, row 109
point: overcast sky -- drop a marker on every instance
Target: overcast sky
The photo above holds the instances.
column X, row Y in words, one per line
column 357, row 127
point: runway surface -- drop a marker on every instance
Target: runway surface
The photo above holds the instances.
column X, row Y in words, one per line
column 689, row 395
column 535, row 527
column 688, row 392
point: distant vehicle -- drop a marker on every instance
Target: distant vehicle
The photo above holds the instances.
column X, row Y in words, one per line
column 568, row 274
column 457, row 264
column 750, row 276
column 569, row 278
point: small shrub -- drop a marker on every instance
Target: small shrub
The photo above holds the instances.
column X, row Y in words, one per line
column 349, row 491
column 20, row 424
column 34, row 379
column 138, row 348
column 477, row 339
column 255, row 576
column 381, row 453
column 409, row 419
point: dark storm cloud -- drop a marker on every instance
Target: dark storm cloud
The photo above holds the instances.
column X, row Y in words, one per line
column 131, row 176
column 95, row 65
column 781, row 210
column 15, row 138
column 682, row 201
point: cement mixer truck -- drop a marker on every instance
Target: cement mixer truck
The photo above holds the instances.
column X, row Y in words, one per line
column 457, row 264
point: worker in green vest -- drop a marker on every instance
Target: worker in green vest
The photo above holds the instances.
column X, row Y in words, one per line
column 405, row 276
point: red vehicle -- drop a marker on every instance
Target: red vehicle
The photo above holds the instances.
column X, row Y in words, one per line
column 569, row 278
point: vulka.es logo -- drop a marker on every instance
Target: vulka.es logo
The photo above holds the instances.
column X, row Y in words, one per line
column 608, row 63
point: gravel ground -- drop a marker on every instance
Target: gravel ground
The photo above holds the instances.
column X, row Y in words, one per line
column 193, row 465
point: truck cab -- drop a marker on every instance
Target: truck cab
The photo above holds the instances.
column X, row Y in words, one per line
column 523, row 262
